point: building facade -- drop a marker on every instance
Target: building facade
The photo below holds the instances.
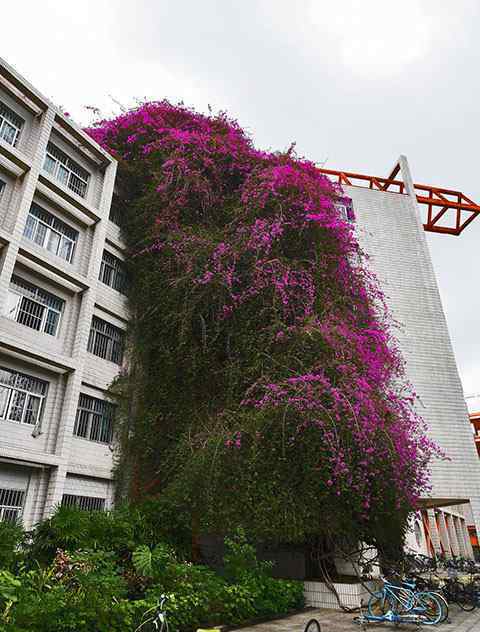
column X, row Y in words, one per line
column 62, row 311
column 391, row 231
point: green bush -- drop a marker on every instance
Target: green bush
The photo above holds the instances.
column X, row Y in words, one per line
column 108, row 574
column 11, row 536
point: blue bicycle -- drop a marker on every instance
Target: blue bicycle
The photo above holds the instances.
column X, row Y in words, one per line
column 400, row 603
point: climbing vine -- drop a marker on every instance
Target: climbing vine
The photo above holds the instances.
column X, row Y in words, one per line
column 264, row 386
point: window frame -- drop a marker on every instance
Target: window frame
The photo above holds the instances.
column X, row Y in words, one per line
column 18, row 397
column 50, row 225
column 34, row 294
column 3, row 186
column 9, row 117
column 112, row 273
column 94, row 416
column 114, row 340
column 63, row 164
column 11, row 494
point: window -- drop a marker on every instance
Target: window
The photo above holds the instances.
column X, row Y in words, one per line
column 112, row 272
column 115, row 214
column 11, row 504
column 106, row 341
column 21, row 397
column 94, row 419
column 346, row 211
column 10, row 125
column 50, row 233
column 66, row 170
column 2, row 188
column 31, row 306
column 86, row 503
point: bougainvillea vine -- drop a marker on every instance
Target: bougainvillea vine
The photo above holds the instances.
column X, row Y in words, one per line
column 266, row 387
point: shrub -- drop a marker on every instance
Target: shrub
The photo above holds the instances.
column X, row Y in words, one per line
column 11, row 536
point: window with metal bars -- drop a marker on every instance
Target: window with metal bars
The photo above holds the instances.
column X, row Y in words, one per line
column 2, row 188
column 50, row 233
column 106, row 341
column 112, row 272
column 94, row 420
column 10, row 125
column 85, row 503
column 64, row 169
column 21, row 397
column 31, row 306
column 11, row 504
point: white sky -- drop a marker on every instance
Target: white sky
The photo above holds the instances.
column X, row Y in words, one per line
column 355, row 83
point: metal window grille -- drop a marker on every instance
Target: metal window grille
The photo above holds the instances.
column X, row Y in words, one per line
column 50, row 233
column 94, row 419
column 21, row 397
column 31, row 306
column 2, row 188
column 66, row 170
column 85, row 503
column 106, row 341
column 10, row 125
column 112, row 272
column 11, row 504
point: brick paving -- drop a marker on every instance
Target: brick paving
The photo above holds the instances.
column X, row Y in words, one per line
column 336, row 621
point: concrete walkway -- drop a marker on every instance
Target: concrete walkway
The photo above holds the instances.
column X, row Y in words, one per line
column 336, row 621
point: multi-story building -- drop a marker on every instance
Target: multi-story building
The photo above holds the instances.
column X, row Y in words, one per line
column 392, row 215
column 63, row 316
column 62, row 311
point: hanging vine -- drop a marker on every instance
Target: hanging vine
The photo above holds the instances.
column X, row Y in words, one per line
column 265, row 387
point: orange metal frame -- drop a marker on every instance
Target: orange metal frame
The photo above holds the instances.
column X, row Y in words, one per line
column 448, row 212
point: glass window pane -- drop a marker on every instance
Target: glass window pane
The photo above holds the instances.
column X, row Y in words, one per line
column 66, row 248
column 8, row 133
column 40, row 234
column 30, row 226
column 50, row 164
column 51, row 322
column 13, row 302
column 62, row 174
column 53, row 242
column 32, row 410
column 17, row 405
column 4, row 397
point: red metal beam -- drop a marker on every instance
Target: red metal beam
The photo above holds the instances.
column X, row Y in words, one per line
column 451, row 210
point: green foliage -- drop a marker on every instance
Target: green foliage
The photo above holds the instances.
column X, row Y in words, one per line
column 240, row 558
column 8, row 587
column 114, row 570
column 11, row 536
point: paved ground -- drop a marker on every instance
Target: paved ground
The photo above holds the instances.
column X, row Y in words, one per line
column 335, row 621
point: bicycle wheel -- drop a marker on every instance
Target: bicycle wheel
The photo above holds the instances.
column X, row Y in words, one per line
column 443, row 603
column 428, row 607
column 465, row 597
column 313, row 626
column 378, row 604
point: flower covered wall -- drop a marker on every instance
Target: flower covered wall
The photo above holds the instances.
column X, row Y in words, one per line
column 265, row 387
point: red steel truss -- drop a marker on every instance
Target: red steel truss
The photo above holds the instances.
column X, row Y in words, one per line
column 448, row 212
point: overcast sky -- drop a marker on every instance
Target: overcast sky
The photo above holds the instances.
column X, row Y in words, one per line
column 355, row 83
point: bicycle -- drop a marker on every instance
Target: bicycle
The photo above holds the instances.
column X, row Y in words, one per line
column 159, row 620
column 420, row 584
column 402, row 604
